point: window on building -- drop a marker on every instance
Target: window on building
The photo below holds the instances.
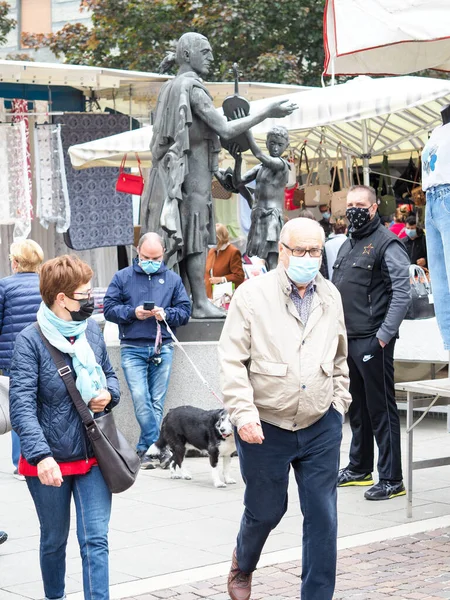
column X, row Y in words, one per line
column 35, row 16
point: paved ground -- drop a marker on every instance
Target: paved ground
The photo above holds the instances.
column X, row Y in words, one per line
column 415, row 567
column 164, row 532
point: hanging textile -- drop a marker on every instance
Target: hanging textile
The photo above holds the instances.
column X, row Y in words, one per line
column 21, row 160
column 100, row 216
column 52, row 197
column 15, row 205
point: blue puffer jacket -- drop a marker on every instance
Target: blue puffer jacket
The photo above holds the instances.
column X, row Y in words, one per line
column 42, row 412
column 130, row 288
column 19, row 302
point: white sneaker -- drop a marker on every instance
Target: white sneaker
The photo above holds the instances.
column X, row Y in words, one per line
column 18, row 476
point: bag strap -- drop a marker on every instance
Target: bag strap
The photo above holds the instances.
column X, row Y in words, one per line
column 344, row 168
column 124, row 161
column 66, row 375
column 355, row 167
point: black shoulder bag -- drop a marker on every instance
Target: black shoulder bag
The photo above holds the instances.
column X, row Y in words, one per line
column 117, row 460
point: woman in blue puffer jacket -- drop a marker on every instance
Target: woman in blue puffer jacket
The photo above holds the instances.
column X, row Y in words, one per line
column 57, row 458
column 19, row 302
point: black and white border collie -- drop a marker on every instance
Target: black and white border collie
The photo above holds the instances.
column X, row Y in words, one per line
column 187, row 427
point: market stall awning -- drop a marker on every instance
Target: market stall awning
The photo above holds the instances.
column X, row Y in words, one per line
column 77, row 76
column 109, row 151
column 386, row 37
column 397, row 112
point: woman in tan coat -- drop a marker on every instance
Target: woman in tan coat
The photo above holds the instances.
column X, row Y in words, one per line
column 223, row 263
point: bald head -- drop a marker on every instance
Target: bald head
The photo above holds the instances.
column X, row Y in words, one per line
column 300, row 230
column 151, row 247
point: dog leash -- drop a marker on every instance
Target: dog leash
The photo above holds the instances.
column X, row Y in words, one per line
column 194, row 366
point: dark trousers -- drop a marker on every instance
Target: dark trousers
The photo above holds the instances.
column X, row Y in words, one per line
column 373, row 411
column 314, row 455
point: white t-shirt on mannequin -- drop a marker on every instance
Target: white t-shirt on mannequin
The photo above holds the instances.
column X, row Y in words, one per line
column 436, row 158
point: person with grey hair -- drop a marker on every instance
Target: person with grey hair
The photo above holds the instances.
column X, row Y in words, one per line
column 141, row 299
column 284, row 380
column 372, row 273
column 271, row 178
column 185, row 148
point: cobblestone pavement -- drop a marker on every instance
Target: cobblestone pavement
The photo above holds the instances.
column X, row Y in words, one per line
column 416, row 567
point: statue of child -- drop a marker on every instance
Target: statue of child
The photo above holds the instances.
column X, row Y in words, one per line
column 267, row 210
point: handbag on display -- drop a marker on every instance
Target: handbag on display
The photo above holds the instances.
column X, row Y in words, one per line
column 316, row 192
column 422, row 305
column 116, row 459
column 417, row 194
column 386, row 203
column 5, row 421
column 129, row 183
column 218, row 191
column 339, row 199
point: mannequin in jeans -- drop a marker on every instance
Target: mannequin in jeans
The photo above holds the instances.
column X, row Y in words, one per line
column 436, row 182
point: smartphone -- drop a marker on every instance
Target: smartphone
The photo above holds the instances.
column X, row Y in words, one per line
column 149, row 305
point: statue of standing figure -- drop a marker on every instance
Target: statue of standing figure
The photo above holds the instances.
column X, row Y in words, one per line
column 267, row 209
column 185, row 148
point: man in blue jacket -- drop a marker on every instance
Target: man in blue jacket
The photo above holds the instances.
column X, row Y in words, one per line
column 146, row 345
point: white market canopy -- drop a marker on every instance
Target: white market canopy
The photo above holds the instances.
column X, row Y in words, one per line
column 396, row 113
column 77, row 76
column 386, row 37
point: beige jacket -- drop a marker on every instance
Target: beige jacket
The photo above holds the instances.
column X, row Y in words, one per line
column 275, row 369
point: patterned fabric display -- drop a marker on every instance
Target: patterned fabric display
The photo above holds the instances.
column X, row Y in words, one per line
column 100, row 216
column 15, row 205
column 52, row 198
column 22, row 179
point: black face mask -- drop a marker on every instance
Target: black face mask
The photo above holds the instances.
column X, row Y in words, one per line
column 357, row 217
column 85, row 311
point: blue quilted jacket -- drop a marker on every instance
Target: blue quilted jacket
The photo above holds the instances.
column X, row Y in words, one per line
column 42, row 412
column 130, row 288
column 19, row 302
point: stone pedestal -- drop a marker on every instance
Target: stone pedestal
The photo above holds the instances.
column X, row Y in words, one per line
column 185, row 386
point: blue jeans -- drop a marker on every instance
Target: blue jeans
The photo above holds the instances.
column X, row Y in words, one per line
column 437, row 224
column 93, row 508
column 148, row 383
column 314, row 455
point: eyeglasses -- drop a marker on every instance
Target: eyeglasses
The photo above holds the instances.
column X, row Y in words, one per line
column 299, row 252
column 87, row 294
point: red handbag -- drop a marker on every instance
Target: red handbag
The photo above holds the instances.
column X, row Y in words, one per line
column 128, row 183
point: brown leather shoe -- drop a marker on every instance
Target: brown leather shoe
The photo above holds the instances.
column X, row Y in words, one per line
column 239, row 583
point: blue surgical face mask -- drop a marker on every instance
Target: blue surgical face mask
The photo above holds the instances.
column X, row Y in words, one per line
column 411, row 233
column 302, row 269
column 326, row 215
column 150, row 266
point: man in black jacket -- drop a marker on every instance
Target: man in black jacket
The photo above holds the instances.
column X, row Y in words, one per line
column 415, row 243
column 371, row 272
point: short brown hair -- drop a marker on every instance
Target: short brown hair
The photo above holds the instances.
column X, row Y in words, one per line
column 27, row 254
column 340, row 226
column 63, row 274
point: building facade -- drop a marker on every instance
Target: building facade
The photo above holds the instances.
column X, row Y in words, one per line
column 40, row 16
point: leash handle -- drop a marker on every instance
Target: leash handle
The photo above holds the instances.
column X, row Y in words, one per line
column 202, row 379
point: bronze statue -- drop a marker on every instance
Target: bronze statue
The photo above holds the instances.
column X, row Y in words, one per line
column 185, row 148
column 267, row 210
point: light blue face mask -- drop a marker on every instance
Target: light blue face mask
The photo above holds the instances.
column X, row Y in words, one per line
column 326, row 215
column 150, row 266
column 302, row 269
column 411, row 233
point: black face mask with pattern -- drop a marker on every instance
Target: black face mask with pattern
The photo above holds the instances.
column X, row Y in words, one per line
column 357, row 217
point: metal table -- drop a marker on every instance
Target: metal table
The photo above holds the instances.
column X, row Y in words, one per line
column 440, row 390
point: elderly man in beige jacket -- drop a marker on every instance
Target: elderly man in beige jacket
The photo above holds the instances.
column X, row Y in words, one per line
column 285, row 383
